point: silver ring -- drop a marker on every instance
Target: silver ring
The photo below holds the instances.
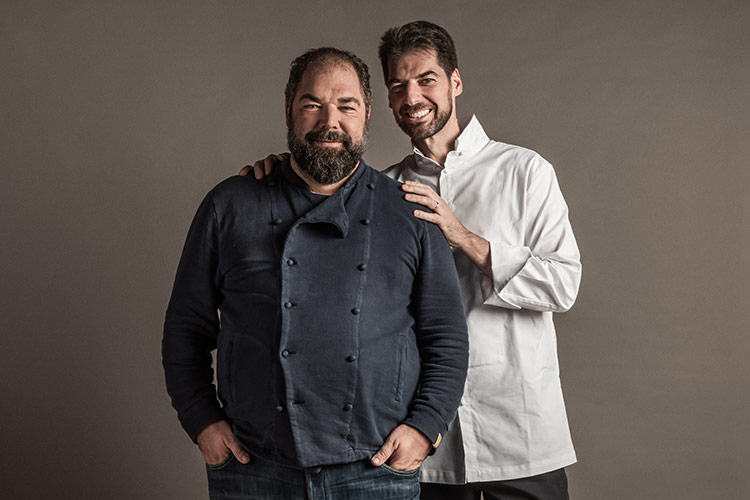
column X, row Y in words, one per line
column 437, row 204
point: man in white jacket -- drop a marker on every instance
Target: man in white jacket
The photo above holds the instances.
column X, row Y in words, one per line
column 501, row 209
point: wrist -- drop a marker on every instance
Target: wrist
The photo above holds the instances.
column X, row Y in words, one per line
column 477, row 249
column 464, row 240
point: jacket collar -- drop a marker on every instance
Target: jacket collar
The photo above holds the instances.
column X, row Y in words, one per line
column 332, row 210
column 469, row 142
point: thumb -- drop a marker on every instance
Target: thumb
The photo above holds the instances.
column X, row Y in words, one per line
column 240, row 454
column 383, row 454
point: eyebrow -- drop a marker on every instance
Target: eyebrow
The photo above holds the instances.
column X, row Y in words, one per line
column 421, row 75
column 348, row 100
column 310, row 97
column 341, row 100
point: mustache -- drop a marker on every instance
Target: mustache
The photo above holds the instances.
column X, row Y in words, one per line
column 326, row 134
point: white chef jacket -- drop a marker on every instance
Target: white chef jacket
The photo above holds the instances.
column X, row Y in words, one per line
column 512, row 421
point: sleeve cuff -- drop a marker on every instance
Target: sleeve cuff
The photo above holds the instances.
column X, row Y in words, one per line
column 430, row 424
column 200, row 416
column 506, row 262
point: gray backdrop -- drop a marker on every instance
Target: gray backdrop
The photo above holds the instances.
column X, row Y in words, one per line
column 117, row 117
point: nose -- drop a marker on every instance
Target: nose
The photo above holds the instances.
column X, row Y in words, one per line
column 329, row 116
column 413, row 95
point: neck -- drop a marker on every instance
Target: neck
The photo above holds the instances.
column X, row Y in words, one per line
column 439, row 145
column 317, row 187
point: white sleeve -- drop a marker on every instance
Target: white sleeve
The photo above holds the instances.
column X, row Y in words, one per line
column 543, row 273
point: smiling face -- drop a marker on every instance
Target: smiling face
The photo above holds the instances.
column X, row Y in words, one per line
column 420, row 93
column 327, row 122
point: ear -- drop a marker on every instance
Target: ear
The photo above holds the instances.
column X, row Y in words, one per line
column 287, row 110
column 458, row 86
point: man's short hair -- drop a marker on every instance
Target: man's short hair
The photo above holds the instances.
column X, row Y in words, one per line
column 418, row 36
column 324, row 56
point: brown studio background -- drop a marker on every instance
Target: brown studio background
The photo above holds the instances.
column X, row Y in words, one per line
column 117, row 117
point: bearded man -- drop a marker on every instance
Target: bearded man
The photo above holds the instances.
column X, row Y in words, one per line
column 501, row 210
column 341, row 340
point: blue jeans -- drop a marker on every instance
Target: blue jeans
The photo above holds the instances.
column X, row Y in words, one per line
column 263, row 480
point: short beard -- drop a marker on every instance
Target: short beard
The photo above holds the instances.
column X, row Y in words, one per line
column 421, row 132
column 325, row 165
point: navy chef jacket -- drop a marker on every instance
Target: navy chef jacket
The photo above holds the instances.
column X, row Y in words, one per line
column 336, row 319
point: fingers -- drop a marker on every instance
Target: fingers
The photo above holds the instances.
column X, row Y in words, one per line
column 268, row 163
column 240, row 454
column 263, row 167
column 256, row 167
column 403, row 463
column 425, row 201
column 428, row 216
column 273, row 161
column 259, row 169
column 404, row 449
column 214, row 458
column 419, row 188
column 215, row 453
column 217, row 442
column 422, row 194
column 383, row 454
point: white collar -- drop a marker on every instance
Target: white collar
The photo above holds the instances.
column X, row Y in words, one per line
column 471, row 139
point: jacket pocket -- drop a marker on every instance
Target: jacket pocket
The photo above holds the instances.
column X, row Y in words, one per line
column 402, row 346
column 224, row 371
column 489, row 327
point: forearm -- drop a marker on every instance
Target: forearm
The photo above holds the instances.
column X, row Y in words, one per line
column 539, row 266
column 539, row 282
column 188, row 372
column 191, row 327
column 443, row 374
column 523, row 280
column 442, row 339
column 477, row 249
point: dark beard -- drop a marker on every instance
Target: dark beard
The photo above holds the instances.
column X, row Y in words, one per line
column 417, row 132
column 325, row 165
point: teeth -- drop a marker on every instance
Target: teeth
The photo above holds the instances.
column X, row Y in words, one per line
column 418, row 114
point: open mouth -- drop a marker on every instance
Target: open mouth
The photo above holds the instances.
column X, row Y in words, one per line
column 328, row 144
column 417, row 115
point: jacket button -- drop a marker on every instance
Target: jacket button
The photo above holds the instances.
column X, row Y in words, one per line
column 288, row 305
column 348, row 407
column 271, row 183
column 362, row 267
column 351, row 358
column 277, row 222
column 355, row 311
column 285, row 353
column 366, row 222
column 370, row 186
column 291, row 262
column 279, row 409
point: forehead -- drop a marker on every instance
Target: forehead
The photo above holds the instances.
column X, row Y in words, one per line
column 330, row 79
column 414, row 63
